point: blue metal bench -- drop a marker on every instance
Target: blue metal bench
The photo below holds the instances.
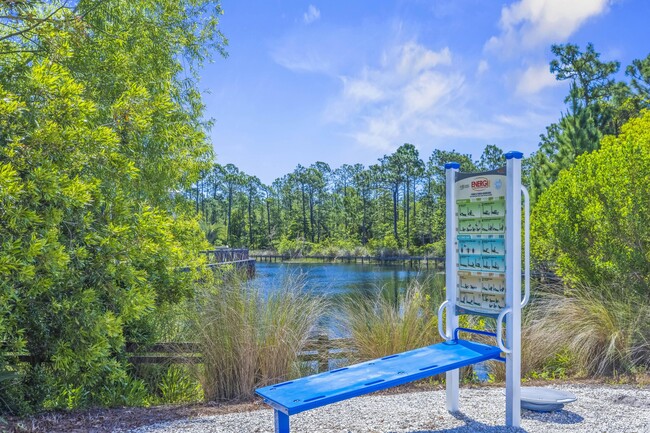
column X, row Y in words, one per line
column 292, row 397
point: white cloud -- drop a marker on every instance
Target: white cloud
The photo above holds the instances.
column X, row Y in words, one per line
column 412, row 85
column 361, row 90
column 527, row 24
column 534, row 79
column 483, row 66
column 312, row 14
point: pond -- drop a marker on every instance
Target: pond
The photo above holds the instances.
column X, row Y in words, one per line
column 338, row 281
column 334, row 280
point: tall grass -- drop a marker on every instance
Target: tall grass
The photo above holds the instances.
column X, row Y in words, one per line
column 381, row 326
column 249, row 338
column 604, row 330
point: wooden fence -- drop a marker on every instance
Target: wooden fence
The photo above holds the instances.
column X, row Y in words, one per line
column 225, row 255
column 237, row 257
column 320, row 349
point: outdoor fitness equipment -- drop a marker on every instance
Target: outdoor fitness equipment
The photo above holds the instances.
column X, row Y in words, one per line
column 483, row 277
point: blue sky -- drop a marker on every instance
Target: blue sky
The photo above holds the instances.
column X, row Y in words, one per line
column 349, row 81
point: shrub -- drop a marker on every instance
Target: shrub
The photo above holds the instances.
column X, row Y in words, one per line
column 249, row 338
column 178, row 385
column 297, row 247
column 593, row 224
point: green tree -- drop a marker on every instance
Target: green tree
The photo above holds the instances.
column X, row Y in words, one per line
column 591, row 78
column 99, row 128
column 491, row 158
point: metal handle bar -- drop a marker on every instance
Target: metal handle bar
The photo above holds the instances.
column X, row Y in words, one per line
column 440, row 330
column 524, row 191
column 502, row 314
column 473, row 331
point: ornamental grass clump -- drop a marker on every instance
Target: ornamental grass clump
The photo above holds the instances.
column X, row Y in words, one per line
column 604, row 330
column 381, row 325
column 250, row 338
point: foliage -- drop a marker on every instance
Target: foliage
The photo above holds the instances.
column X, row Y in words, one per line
column 249, row 338
column 592, row 227
column 592, row 224
column 179, row 386
column 639, row 71
column 96, row 129
column 598, row 106
column 591, row 78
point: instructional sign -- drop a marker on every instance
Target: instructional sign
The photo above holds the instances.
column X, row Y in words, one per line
column 480, row 241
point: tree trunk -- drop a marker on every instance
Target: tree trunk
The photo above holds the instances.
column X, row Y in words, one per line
column 229, row 214
column 304, row 214
column 250, row 219
column 395, row 213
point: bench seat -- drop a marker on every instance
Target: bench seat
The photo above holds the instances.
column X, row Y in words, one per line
column 295, row 396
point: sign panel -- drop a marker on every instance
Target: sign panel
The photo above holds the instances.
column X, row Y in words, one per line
column 480, row 242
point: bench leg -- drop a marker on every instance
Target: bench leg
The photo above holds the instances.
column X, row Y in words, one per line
column 281, row 422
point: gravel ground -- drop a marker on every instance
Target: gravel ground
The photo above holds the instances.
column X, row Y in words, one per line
column 598, row 409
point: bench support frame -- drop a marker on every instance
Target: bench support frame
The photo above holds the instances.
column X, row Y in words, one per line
column 281, row 421
column 452, row 378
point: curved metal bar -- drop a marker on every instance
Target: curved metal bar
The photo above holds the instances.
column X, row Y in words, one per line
column 473, row 331
column 440, row 330
column 502, row 314
column 524, row 191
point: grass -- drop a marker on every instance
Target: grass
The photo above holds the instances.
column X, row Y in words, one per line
column 595, row 331
column 251, row 339
column 382, row 325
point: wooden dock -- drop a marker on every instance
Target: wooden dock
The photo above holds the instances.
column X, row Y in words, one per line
column 420, row 262
column 236, row 257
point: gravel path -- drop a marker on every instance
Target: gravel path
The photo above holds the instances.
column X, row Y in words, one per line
column 598, row 409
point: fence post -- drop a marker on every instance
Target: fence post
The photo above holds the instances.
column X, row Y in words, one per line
column 323, row 353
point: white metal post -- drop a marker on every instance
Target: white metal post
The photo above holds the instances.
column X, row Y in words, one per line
column 513, row 289
column 451, row 265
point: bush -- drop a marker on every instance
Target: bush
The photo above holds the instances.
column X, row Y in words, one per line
column 297, row 247
column 386, row 246
column 593, row 224
column 251, row 339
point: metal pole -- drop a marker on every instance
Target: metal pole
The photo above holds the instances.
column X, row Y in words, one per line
column 453, row 376
column 513, row 289
column 281, row 422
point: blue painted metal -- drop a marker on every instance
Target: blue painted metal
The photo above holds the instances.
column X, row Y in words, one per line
column 449, row 165
column 472, row 331
column 281, row 421
column 514, row 154
column 310, row 392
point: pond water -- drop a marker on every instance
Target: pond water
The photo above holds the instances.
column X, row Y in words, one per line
column 335, row 280
column 338, row 281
